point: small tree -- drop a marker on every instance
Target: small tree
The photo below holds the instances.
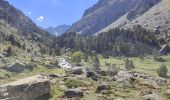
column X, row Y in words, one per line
column 51, row 52
column 96, row 63
column 24, row 47
column 162, row 71
column 9, row 52
column 129, row 64
column 77, row 57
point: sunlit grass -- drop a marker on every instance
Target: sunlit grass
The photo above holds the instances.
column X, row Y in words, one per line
column 147, row 65
column 37, row 70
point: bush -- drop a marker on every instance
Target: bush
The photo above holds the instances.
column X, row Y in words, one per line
column 162, row 71
column 73, row 83
column 96, row 62
column 77, row 57
column 55, row 91
column 113, row 70
column 129, row 64
column 9, row 52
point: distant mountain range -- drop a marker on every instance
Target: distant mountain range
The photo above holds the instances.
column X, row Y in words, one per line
column 59, row 30
column 108, row 14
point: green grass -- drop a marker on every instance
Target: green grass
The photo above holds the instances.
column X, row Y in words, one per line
column 74, row 83
column 148, row 65
column 37, row 70
column 55, row 92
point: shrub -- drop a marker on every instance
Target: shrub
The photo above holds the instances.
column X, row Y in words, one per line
column 9, row 52
column 96, row 62
column 113, row 70
column 55, row 92
column 162, row 71
column 77, row 57
column 129, row 64
column 73, row 83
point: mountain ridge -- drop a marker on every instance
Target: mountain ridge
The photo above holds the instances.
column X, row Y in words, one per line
column 59, row 30
column 105, row 12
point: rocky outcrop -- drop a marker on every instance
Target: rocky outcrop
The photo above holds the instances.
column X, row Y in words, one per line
column 155, row 19
column 19, row 67
column 73, row 93
column 152, row 96
column 28, row 88
column 165, row 49
column 102, row 87
column 25, row 26
column 105, row 12
column 16, row 67
column 59, row 30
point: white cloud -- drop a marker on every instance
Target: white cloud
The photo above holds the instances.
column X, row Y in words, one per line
column 29, row 13
column 40, row 19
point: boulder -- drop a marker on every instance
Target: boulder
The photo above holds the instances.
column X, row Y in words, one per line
column 78, row 71
column 167, row 92
column 16, row 67
column 73, row 93
column 50, row 66
column 1, row 55
column 28, row 88
column 165, row 49
column 123, row 76
column 55, row 75
column 150, row 84
column 152, row 97
column 92, row 75
column 102, row 87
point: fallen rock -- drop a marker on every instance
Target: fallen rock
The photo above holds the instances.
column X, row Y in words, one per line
column 167, row 92
column 50, row 66
column 152, row 97
column 123, row 76
column 28, row 88
column 165, row 49
column 92, row 75
column 150, row 84
column 73, row 93
column 78, row 71
column 102, row 87
column 16, row 67
column 55, row 75
column 1, row 55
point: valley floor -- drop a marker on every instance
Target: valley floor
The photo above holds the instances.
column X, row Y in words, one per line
column 142, row 83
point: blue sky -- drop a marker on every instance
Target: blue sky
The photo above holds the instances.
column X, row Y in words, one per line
column 53, row 12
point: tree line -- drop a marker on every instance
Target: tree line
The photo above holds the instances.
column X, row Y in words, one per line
column 115, row 42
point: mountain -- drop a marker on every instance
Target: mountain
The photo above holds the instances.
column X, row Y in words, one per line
column 20, row 33
column 156, row 19
column 107, row 13
column 59, row 30
column 10, row 17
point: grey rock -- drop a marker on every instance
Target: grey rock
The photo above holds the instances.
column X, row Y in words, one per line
column 28, row 88
column 16, row 67
column 152, row 97
column 165, row 49
column 55, row 76
column 167, row 92
column 102, row 87
column 78, row 71
column 1, row 55
column 93, row 75
column 73, row 93
column 106, row 12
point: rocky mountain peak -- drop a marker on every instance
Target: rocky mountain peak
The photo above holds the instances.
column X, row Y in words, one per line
column 106, row 12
